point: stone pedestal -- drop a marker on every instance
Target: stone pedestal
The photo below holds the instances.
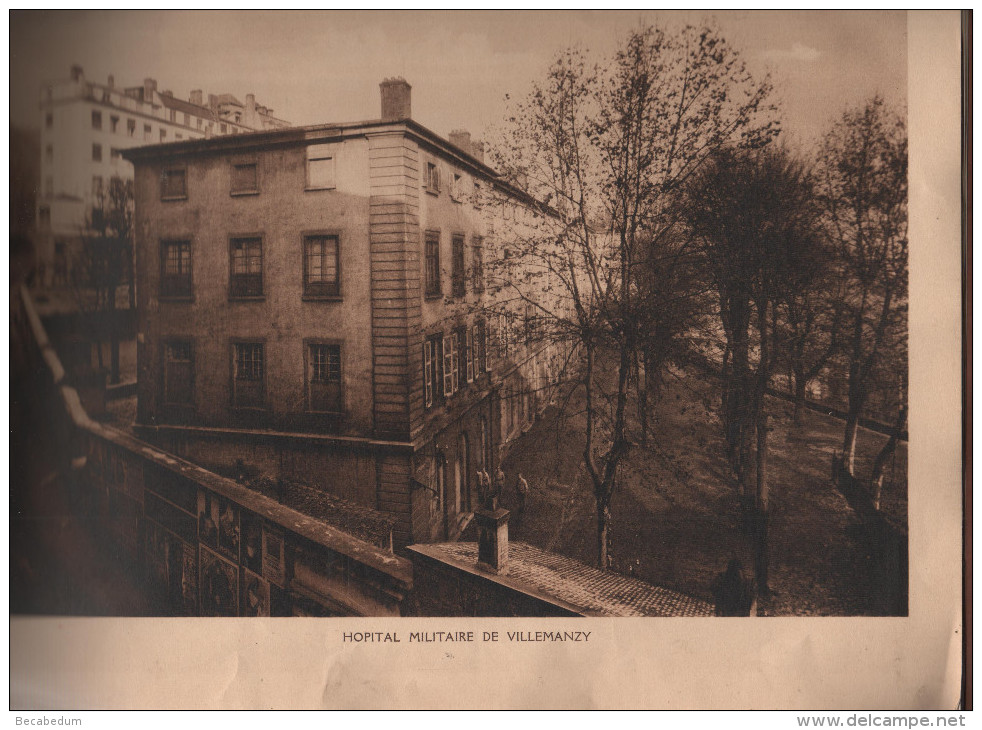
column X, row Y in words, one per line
column 492, row 539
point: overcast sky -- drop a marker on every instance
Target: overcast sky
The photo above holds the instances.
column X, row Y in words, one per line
column 313, row 67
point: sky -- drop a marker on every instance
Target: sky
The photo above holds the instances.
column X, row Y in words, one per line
column 315, row 67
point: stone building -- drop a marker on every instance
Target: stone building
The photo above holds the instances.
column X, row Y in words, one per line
column 310, row 304
column 85, row 126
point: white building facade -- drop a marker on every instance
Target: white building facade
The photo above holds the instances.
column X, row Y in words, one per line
column 84, row 127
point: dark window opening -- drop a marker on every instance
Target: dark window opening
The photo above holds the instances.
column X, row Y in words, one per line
column 248, row 375
column 457, row 252
column 325, row 378
column 178, row 372
column 432, row 264
column 432, row 370
column 245, row 177
column 247, row 267
column 173, row 184
column 321, row 266
column 175, row 269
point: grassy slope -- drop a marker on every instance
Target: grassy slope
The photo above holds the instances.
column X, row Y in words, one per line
column 675, row 516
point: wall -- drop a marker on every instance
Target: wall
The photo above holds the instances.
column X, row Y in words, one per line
column 282, row 211
column 210, row 546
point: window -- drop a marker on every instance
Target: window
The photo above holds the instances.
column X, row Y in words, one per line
column 187, row 119
column 97, row 153
column 175, row 269
column 178, row 136
column 113, row 124
column 115, row 154
column 478, row 272
column 247, row 267
column 147, row 133
column 245, row 178
column 44, row 216
column 163, row 135
column 320, row 167
column 457, row 261
column 130, row 127
column 432, row 179
column 432, row 369
column 324, row 378
column 96, row 120
column 173, row 184
column 477, row 194
column 320, row 266
column 97, row 186
column 178, row 372
column 481, row 349
column 224, row 128
column 451, row 364
column 432, row 263
column 469, row 354
column 49, row 120
column 199, row 122
column 248, row 374
column 49, row 153
column 173, row 115
column 456, row 187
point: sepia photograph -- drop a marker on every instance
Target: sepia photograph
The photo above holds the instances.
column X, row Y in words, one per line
column 526, row 315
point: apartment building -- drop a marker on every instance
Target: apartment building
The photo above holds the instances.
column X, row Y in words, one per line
column 310, row 303
column 85, row 126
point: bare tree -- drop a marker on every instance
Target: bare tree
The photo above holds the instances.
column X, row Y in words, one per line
column 609, row 149
column 755, row 214
column 864, row 189
column 105, row 262
column 810, row 326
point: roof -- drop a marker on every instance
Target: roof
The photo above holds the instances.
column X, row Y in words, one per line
column 172, row 102
column 315, row 133
column 590, row 591
column 227, row 99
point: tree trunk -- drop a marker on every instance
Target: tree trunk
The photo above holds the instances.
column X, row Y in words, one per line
column 799, row 394
column 849, row 441
column 603, row 528
column 889, row 448
column 643, row 400
column 737, row 413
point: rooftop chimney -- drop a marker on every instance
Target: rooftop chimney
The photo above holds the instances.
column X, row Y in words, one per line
column 396, row 99
column 492, row 524
column 77, row 74
column 112, row 82
column 197, row 97
column 250, row 102
column 461, row 139
column 149, row 86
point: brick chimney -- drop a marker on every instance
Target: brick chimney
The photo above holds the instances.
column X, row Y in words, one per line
column 149, row 86
column 396, row 99
column 492, row 538
column 250, row 104
column 112, row 82
column 461, row 139
column 197, row 97
column 77, row 74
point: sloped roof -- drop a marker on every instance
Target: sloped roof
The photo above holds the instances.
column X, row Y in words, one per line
column 172, row 102
column 593, row 592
